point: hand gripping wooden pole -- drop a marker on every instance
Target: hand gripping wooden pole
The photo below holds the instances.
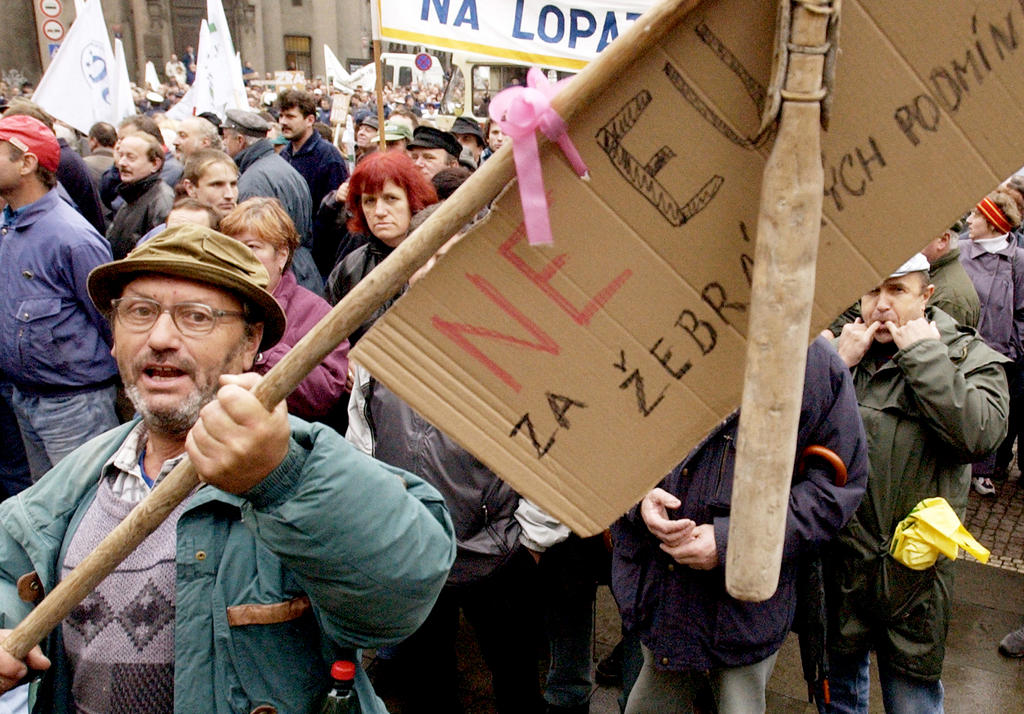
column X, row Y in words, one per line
column 782, row 293
column 383, row 282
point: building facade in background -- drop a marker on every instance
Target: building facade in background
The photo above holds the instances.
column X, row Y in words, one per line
column 271, row 34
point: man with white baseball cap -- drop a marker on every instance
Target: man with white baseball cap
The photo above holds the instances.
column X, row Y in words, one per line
column 933, row 398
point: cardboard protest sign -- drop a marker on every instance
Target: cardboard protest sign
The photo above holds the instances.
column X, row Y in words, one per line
column 340, row 104
column 582, row 372
column 292, row 79
column 563, row 34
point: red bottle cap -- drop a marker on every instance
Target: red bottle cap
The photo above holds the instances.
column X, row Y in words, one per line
column 343, row 670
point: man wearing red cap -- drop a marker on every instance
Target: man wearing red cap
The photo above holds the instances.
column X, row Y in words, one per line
column 54, row 344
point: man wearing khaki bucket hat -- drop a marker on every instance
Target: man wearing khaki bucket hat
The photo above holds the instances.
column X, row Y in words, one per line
column 293, row 543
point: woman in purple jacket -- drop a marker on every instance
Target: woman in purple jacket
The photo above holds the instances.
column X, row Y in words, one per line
column 995, row 265
column 262, row 225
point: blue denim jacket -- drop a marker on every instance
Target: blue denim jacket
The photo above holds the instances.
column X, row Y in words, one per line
column 51, row 335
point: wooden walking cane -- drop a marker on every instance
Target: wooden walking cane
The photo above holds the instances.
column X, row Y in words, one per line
column 782, row 294
column 383, row 282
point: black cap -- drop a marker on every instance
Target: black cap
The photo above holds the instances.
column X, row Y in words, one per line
column 468, row 125
column 246, row 123
column 210, row 117
column 365, row 116
column 427, row 137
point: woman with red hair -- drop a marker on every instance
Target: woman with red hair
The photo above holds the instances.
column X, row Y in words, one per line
column 385, row 191
column 262, row 224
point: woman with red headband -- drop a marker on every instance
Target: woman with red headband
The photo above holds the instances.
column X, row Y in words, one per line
column 996, row 267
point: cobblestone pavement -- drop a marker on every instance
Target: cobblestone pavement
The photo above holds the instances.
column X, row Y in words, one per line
column 998, row 523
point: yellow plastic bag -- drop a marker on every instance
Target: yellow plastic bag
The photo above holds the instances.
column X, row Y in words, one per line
column 932, row 528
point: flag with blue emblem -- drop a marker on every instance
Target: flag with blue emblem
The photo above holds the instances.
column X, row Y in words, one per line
column 79, row 86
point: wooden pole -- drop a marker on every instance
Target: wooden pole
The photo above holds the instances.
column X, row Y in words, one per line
column 782, row 293
column 382, row 143
column 383, row 282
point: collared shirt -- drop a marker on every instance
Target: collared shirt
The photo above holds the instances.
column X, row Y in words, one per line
column 123, row 467
column 11, row 215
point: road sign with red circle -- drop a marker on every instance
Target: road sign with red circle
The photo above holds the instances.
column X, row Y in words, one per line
column 423, row 61
column 53, row 30
column 51, row 8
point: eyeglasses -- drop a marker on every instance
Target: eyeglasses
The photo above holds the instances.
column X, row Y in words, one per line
column 193, row 319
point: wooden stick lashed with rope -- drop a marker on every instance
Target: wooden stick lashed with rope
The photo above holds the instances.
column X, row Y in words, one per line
column 782, row 294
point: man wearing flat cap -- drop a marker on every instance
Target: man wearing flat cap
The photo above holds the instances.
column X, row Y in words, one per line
column 933, row 398
column 264, row 173
column 54, row 344
column 467, row 130
column 366, row 126
column 294, row 543
column 432, row 150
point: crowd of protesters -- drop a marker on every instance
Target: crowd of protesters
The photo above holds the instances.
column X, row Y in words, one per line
column 916, row 392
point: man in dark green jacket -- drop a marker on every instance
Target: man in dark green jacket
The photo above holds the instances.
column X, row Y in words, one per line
column 933, row 398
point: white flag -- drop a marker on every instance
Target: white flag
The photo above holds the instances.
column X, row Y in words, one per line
column 124, row 105
column 78, row 87
column 214, row 87
column 202, row 88
column 218, row 23
column 238, row 84
column 218, row 70
column 375, row 20
column 152, row 80
column 185, row 107
column 336, row 74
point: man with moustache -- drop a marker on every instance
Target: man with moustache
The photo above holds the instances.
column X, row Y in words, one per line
column 293, row 542
column 933, row 398
column 319, row 161
column 147, row 199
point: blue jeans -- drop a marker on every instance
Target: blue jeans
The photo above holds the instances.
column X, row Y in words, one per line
column 849, row 681
column 569, row 577
column 52, row 426
column 632, row 663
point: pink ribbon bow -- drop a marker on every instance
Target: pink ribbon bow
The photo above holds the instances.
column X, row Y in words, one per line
column 520, row 111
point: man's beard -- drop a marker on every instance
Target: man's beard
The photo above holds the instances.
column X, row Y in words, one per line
column 178, row 420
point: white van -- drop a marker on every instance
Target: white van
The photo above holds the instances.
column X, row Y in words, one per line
column 400, row 70
column 475, row 80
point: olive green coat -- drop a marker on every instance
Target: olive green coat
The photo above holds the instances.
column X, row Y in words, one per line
column 954, row 292
column 929, row 412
